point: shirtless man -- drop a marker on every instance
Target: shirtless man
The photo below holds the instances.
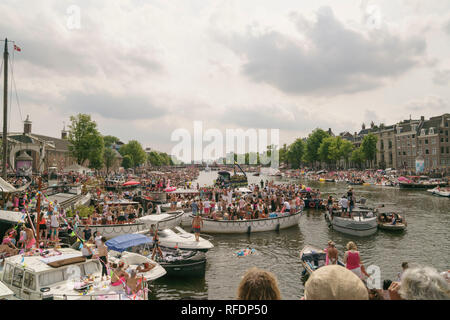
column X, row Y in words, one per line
column 133, row 282
column 197, row 224
column 332, row 253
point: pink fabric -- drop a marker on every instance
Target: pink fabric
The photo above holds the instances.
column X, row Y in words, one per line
column 327, row 261
column 352, row 260
column 31, row 243
column 118, row 282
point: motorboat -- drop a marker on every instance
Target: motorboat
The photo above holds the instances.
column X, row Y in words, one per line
column 118, row 247
column 62, row 274
column 390, row 220
column 445, row 192
column 184, row 263
column 5, row 292
column 177, row 237
column 360, row 222
column 313, row 258
column 136, row 249
column 165, row 220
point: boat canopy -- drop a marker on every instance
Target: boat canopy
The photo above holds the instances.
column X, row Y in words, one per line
column 125, row 241
column 224, row 173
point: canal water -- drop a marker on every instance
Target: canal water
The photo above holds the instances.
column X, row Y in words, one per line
column 426, row 242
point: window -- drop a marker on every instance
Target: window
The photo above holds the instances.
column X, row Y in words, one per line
column 442, row 139
column 422, row 132
column 446, row 149
column 404, row 153
column 426, row 141
column 29, row 281
column 442, row 149
column 431, row 131
column 7, row 274
column 413, row 136
column 434, row 163
column 434, row 151
column 17, row 278
column 50, row 278
column 427, row 151
column 433, row 141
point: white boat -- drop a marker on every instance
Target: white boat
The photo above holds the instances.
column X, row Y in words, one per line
column 359, row 224
column 164, row 220
column 5, row 292
column 133, row 260
column 59, row 275
column 178, row 237
column 440, row 192
column 253, row 225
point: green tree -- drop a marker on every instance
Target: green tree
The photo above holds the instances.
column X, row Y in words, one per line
column 109, row 157
column 369, row 147
column 324, row 150
column 346, row 150
column 357, row 157
column 127, row 162
column 313, row 145
column 134, row 149
column 110, row 141
column 295, row 153
column 154, row 159
column 86, row 143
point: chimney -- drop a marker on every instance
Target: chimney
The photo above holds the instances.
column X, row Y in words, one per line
column 422, row 118
column 64, row 133
column 27, row 125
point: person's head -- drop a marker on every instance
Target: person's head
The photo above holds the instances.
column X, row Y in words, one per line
column 258, row 284
column 405, row 265
column 351, row 246
column 424, row 283
column 103, row 240
column 331, row 243
column 133, row 274
column 333, row 282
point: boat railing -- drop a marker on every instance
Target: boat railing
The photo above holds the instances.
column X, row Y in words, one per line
column 92, row 296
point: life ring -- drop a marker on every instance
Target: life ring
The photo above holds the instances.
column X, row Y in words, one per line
column 312, row 204
column 150, row 207
column 320, row 203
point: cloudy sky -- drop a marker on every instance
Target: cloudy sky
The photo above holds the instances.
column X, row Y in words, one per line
column 144, row 68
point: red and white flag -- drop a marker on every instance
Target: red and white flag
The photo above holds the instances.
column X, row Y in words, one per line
column 17, row 48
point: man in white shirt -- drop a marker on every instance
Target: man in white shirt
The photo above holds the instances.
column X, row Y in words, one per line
column 343, row 202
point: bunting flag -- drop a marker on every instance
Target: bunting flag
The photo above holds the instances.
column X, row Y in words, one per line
column 17, row 48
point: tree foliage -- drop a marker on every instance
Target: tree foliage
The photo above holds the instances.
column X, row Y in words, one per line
column 295, row 153
column 109, row 157
column 134, row 149
column 86, row 143
column 313, row 145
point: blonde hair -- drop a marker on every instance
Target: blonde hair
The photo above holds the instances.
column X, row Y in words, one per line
column 351, row 246
column 258, row 284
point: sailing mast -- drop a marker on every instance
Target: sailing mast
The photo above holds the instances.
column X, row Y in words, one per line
column 5, row 109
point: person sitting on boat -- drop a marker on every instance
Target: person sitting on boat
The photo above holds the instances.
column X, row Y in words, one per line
column 118, row 275
column 332, row 253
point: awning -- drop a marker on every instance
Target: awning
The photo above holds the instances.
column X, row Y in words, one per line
column 123, row 242
column 6, row 187
column 131, row 183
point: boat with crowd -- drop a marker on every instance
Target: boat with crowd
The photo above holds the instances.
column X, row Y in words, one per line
column 275, row 222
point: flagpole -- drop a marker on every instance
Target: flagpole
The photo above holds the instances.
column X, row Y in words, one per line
column 5, row 109
column 38, row 212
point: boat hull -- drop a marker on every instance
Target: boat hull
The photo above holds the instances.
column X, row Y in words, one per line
column 364, row 228
column 392, row 227
column 250, row 226
column 420, row 185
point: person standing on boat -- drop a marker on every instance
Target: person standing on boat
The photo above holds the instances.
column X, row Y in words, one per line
column 154, row 233
column 343, row 202
column 332, row 253
column 197, row 224
column 352, row 260
column 102, row 255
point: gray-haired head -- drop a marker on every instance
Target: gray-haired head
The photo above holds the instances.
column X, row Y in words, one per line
column 424, row 283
